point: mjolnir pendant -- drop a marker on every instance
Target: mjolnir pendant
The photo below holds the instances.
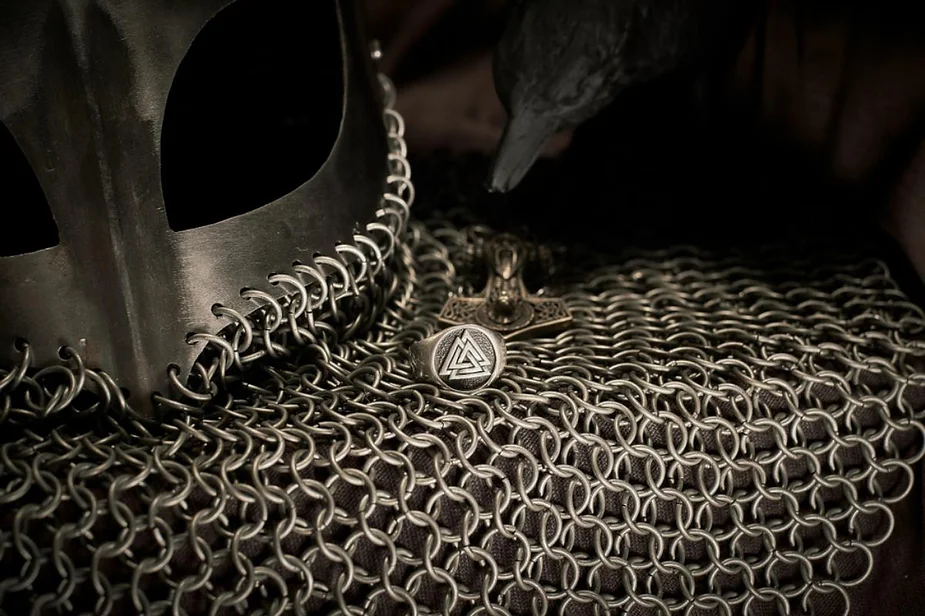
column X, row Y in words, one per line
column 505, row 306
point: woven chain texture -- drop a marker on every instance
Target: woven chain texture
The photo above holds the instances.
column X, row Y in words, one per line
column 713, row 434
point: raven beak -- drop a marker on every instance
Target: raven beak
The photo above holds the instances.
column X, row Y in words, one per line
column 523, row 139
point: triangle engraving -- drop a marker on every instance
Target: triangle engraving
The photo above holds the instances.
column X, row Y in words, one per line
column 465, row 360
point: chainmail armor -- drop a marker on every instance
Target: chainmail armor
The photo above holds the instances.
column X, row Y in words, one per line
column 713, row 434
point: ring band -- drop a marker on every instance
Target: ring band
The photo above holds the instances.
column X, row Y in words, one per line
column 463, row 358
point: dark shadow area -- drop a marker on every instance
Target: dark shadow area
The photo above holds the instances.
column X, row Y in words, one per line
column 650, row 172
column 29, row 224
column 461, row 30
column 254, row 110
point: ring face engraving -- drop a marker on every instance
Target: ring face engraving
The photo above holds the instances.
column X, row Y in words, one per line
column 463, row 358
column 466, row 359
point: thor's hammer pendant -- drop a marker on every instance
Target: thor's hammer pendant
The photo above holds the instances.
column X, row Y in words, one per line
column 505, row 305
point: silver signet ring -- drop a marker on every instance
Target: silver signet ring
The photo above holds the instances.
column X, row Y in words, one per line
column 463, row 358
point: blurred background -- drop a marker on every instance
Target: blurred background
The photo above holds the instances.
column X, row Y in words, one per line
column 817, row 131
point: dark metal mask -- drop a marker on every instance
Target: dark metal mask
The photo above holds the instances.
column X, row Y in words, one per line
column 84, row 90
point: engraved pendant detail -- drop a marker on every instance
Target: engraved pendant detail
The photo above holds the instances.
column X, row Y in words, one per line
column 505, row 306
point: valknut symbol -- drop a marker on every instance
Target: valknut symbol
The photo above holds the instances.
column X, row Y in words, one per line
column 465, row 360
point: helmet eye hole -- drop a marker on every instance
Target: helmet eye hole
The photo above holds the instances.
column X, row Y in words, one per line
column 254, row 110
column 29, row 225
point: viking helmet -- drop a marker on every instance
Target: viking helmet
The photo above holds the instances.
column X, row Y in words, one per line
column 148, row 231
